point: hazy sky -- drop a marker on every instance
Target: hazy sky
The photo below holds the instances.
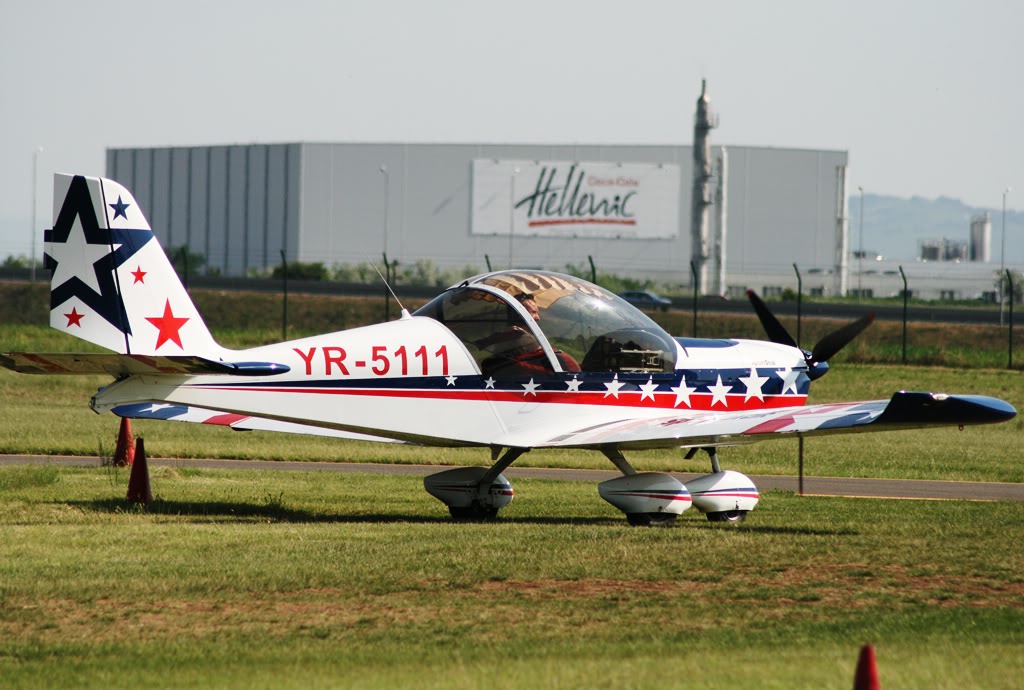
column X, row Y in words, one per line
column 925, row 96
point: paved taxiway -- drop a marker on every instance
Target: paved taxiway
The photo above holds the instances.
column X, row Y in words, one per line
column 822, row 486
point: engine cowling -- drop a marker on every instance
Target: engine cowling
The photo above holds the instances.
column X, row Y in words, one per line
column 646, row 493
column 460, row 488
column 729, row 494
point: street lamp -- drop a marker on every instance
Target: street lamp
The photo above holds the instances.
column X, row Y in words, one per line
column 387, row 203
column 387, row 266
column 511, row 213
column 35, row 165
column 860, row 251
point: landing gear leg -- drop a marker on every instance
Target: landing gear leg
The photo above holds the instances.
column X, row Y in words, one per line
column 712, row 453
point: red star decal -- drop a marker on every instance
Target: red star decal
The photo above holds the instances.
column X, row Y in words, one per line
column 74, row 318
column 168, row 325
column 139, row 275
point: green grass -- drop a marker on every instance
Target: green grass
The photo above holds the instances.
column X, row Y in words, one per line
column 271, row 579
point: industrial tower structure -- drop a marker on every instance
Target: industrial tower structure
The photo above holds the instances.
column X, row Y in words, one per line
column 701, row 197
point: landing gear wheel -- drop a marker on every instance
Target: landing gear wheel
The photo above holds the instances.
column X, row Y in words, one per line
column 651, row 519
column 474, row 513
column 728, row 516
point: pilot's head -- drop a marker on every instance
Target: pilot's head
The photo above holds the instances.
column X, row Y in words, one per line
column 530, row 304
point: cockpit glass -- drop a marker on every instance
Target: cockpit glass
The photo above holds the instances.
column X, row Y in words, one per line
column 589, row 328
column 494, row 333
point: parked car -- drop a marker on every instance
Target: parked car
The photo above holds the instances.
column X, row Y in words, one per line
column 645, row 299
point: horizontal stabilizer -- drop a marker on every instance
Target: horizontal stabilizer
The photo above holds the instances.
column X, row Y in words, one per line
column 127, row 365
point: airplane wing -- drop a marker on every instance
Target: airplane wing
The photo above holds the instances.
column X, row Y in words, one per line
column 906, row 410
column 238, row 422
column 125, row 365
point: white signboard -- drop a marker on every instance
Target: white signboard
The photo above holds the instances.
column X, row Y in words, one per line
column 573, row 199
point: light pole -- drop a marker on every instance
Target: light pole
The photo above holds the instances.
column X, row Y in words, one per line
column 1002, row 257
column 860, row 250
column 35, row 165
column 511, row 213
column 387, row 266
column 387, row 203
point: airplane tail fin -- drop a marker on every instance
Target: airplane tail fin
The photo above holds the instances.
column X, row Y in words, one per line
column 111, row 282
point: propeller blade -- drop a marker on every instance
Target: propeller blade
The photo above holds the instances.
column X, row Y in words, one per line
column 827, row 347
column 777, row 333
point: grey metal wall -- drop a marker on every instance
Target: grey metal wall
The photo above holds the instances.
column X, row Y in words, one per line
column 235, row 205
column 347, row 203
column 781, row 208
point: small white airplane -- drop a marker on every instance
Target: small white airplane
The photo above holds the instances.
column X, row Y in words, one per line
column 509, row 360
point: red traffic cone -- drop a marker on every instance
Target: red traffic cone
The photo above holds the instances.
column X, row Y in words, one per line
column 866, row 676
column 138, row 481
column 124, row 454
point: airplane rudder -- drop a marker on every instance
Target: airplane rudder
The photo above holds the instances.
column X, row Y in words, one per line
column 112, row 284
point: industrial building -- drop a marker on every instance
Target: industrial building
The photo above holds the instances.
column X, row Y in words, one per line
column 462, row 205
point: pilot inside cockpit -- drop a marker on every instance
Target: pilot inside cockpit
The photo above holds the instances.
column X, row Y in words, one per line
column 516, row 351
column 585, row 327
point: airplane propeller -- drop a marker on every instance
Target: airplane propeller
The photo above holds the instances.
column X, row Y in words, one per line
column 824, row 350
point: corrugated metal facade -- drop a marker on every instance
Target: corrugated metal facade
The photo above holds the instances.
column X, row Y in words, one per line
column 346, row 203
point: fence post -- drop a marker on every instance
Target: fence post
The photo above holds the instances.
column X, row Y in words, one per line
column 801, row 464
column 1009, row 358
column 184, row 260
column 284, row 302
column 693, row 272
column 799, row 293
column 593, row 270
column 487, row 259
column 906, row 296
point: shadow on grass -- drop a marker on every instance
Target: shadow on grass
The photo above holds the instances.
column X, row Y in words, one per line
column 242, row 512
column 773, row 529
column 271, row 512
column 245, row 512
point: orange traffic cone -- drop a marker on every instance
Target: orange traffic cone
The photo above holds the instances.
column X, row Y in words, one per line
column 138, row 481
column 866, row 676
column 124, row 454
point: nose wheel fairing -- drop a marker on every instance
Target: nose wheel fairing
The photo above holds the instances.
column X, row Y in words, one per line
column 474, row 493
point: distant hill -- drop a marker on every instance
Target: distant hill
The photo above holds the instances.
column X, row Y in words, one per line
column 894, row 227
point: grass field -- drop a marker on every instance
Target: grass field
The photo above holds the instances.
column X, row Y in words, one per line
column 247, row 579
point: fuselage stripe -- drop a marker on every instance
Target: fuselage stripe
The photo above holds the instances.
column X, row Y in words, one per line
column 698, row 401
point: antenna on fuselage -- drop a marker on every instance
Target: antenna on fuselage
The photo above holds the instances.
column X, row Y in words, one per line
column 405, row 312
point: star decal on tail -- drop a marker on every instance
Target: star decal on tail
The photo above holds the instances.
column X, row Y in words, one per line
column 119, row 208
column 74, row 318
column 83, row 254
column 168, row 326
